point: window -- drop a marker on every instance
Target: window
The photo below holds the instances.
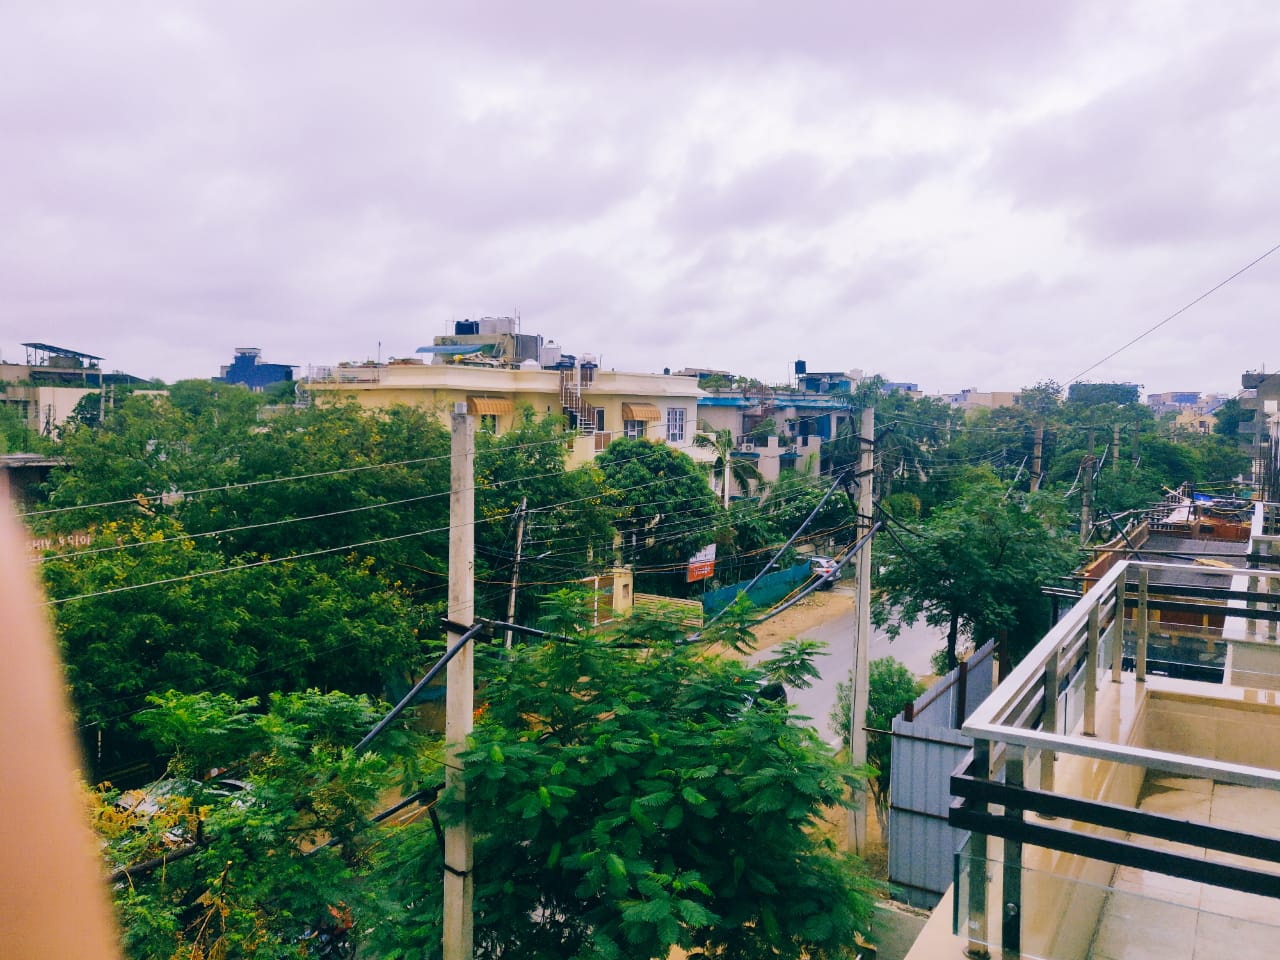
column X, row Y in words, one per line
column 489, row 423
column 634, row 428
column 675, row 424
column 599, row 419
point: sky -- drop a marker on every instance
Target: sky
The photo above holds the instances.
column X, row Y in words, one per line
column 979, row 194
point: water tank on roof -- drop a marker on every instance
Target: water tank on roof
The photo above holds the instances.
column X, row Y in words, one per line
column 549, row 354
column 567, row 361
column 530, row 365
column 588, row 360
column 465, row 328
column 491, row 325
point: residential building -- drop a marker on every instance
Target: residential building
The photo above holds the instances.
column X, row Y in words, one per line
column 903, row 386
column 1195, row 421
column 1123, row 789
column 1172, row 401
column 599, row 405
column 1182, row 401
column 46, row 388
column 704, row 373
column 248, row 369
column 971, row 399
column 776, row 429
column 1261, row 394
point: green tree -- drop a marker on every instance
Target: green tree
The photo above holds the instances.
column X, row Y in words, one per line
column 1229, row 416
column 1092, row 394
column 890, row 687
column 976, row 565
column 568, row 530
column 628, row 801
column 666, row 512
column 330, row 622
column 249, row 872
column 727, row 462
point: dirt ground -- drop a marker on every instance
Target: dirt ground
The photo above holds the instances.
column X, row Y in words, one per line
column 818, row 607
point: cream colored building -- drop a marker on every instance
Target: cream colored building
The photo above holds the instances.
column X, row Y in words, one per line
column 601, row 405
column 970, row 399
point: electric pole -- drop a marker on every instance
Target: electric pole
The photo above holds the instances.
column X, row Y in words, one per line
column 862, row 639
column 515, row 570
column 1086, row 502
column 1115, row 448
column 459, row 884
column 1037, row 451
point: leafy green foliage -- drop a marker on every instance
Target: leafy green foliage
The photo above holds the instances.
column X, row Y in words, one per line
column 1092, row 394
column 568, row 531
column 666, row 510
column 249, row 871
column 890, row 687
column 726, row 464
column 626, row 801
column 1229, row 416
column 975, row 565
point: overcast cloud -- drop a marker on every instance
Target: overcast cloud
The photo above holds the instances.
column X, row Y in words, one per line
column 957, row 194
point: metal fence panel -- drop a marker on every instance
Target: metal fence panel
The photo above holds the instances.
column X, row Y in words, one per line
column 925, row 750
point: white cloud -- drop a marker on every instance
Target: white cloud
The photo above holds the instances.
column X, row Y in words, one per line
column 962, row 195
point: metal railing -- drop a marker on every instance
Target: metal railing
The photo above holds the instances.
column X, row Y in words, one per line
column 1048, row 707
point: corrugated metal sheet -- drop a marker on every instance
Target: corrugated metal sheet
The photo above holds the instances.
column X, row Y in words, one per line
column 925, row 751
column 921, row 842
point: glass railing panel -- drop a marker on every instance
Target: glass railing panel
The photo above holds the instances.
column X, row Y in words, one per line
column 1137, row 915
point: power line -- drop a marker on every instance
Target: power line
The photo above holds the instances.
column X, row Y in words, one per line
column 1181, row 310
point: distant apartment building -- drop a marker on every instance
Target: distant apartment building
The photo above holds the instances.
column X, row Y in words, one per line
column 495, row 371
column 780, row 429
column 1172, row 401
column 1261, row 394
column 1185, row 402
column 971, row 399
column 903, row 386
column 248, row 369
column 46, row 388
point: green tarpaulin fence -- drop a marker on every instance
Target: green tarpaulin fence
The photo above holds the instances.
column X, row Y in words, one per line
column 771, row 588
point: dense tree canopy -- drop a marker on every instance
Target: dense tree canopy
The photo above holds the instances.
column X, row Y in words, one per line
column 626, row 798
column 666, row 510
column 976, row 566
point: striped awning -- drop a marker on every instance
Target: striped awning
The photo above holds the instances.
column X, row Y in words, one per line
column 641, row 411
column 490, row 406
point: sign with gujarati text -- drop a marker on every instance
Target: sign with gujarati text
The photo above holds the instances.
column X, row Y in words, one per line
column 703, row 563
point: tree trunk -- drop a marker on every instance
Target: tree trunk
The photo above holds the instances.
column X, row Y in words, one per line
column 953, row 634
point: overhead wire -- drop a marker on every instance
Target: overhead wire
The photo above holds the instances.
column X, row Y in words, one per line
column 1177, row 313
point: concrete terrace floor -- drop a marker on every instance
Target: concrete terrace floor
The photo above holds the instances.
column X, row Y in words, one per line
column 1152, row 916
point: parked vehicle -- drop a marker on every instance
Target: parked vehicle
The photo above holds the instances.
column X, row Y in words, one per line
column 826, row 568
column 146, row 802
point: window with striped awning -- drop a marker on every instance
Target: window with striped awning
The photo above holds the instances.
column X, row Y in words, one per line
column 490, row 406
column 641, row 411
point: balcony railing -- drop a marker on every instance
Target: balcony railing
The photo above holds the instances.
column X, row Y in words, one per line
column 1064, row 746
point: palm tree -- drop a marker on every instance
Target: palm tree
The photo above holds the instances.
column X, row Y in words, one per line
column 726, row 464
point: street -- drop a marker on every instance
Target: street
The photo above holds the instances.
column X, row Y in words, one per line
column 913, row 647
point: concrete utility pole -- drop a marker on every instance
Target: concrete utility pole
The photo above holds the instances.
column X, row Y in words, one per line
column 862, row 640
column 460, row 684
column 1036, row 451
column 1115, row 448
column 1086, row 502
column 515, row 570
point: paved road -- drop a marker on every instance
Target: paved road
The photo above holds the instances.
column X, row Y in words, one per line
column 913, row 647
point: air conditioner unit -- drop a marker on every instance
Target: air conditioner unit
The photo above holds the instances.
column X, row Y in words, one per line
column 748, row 447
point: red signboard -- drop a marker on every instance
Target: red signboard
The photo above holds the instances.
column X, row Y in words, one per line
column 702, row 564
